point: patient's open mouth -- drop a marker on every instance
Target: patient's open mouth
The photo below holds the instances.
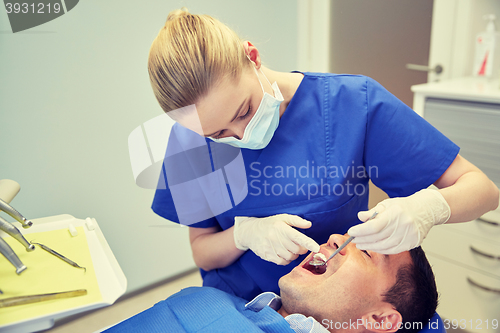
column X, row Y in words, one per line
column 315, row 269
column 318, row 270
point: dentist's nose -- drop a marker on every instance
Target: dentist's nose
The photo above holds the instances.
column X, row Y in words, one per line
column 238, row 131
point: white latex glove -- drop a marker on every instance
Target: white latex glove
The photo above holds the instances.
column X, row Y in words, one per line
column 401, row 223
column 273, row 238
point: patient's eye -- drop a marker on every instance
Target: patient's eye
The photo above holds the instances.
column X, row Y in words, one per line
column 366, row 252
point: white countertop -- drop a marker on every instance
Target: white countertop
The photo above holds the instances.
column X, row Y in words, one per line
column 466, row 88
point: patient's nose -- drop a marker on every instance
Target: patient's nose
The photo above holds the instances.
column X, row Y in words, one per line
column 336, row 240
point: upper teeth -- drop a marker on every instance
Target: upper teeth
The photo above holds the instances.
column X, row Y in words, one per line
column 320, row 256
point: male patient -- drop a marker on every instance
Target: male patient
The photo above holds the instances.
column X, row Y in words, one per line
column 359, row 292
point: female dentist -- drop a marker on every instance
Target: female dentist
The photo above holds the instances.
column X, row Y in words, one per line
column 310, row 143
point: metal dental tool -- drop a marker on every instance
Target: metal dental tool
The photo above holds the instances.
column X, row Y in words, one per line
column 8, row 190
column 16, row 234
column 15, row 214
column 60, row 256
column 21, row 300
column 317, row 261
column 8, row 253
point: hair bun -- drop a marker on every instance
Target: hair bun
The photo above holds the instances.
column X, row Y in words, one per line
column 177, row 13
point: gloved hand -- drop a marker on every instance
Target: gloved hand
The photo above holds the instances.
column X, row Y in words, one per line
column 273, row 238
column 401, row 223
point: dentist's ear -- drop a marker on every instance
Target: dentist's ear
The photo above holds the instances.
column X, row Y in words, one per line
column 246, row 45
column 252, row 53
column 386, row 320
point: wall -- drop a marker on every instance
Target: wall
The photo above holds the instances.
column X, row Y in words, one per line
column 73, row 89
column 478, row 24
column 455, row 25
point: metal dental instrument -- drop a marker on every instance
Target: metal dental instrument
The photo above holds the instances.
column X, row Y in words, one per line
column 40, row 298
column 15, row 214
column 16, row 234
column 320, row 262
column 8, row 253
column 60, row 256
column 8, row 191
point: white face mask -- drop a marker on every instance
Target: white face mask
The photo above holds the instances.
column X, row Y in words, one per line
column 263, row 124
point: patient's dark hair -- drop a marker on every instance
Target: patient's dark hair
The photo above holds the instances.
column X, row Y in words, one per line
column 414, row 295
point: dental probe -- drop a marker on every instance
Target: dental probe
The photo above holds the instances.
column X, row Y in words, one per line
column 60, row 256
column 16, row 234
column 15, row 214
column 320, row 262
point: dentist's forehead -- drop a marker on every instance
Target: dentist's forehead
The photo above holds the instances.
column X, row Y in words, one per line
column 212, row 111
column 187, row 117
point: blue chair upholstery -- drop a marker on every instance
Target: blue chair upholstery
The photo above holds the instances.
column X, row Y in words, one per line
column 205, row 309
column 435, row 325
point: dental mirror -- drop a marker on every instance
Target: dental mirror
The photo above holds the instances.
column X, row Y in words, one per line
column 319, row 258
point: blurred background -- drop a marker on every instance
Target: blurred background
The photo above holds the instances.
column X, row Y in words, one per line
column 73, row 89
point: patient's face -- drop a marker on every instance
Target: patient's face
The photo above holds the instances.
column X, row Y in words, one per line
column 351, row 286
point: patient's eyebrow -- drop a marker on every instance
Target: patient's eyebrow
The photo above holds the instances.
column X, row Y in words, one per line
column 385, row 259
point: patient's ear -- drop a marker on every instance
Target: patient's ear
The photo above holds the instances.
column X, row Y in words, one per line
column 383, row 320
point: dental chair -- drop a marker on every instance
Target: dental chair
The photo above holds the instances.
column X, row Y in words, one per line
column 220, row 312
column 435, row 325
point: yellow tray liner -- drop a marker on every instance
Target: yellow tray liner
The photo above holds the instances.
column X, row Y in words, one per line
column 46, row 273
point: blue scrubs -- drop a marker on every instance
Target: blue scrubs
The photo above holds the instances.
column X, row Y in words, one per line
column 337, row 132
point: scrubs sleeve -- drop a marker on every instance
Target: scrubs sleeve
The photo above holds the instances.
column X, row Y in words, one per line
column 179, row 195
column 403, row 152
column 163, row 205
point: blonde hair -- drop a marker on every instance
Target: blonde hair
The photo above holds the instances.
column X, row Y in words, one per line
column 191, row 54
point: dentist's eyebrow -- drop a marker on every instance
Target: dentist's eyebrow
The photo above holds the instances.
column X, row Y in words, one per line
column 235, row 116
